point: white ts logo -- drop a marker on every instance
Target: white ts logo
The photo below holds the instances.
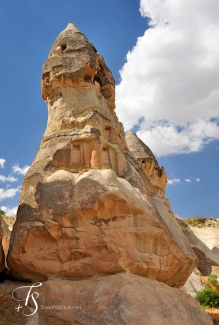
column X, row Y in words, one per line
column 32, row 296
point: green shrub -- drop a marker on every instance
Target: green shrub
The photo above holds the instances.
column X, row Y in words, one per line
column 208, row 298
column 212, row 278
column 2, row 212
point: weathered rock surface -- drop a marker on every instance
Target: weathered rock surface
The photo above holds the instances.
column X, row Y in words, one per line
column 206, row 257
column 9, row 221
column 103, row 228
column 149, row 164
column 215, row 270
column 87, row 207
column 147, row 160
column 193, row 285
column 8, row 308
column 2, row 255
column 121, row 299
column 7, row 225
column 209, row 235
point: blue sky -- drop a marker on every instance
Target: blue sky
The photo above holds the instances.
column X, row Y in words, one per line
column 167, row 87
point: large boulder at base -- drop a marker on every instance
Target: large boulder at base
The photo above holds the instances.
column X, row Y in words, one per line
column 121, row 299
column 86, row 206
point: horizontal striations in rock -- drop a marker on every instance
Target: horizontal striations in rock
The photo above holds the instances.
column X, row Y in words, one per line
column 87, row 206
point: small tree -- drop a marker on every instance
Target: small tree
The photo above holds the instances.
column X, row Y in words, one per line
column 2, row 212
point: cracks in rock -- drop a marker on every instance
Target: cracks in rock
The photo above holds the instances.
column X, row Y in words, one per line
column 100, row 221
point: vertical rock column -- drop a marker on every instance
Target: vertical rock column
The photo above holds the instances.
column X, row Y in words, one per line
column 84, row 208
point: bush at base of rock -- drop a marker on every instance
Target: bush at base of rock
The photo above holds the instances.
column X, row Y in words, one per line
column 208, row 298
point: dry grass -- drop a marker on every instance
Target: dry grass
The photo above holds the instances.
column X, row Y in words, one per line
column 197, row 221
column 214, row 314
column 207, row 284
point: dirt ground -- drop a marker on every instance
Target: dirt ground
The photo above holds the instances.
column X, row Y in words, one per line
column 214, row 314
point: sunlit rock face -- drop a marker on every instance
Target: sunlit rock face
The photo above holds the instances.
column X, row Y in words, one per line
column 207, row 258
column 87, row 206
column 2, row 255
column 7, row 225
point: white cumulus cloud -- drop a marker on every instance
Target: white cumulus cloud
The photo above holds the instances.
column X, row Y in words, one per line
column 170, row 83
column 173, row 181
column 2, row 163
column 198, row 180
column 187, row 180
column 9, row 211
column 9, row 192
column 16, row 169
column 8, row 179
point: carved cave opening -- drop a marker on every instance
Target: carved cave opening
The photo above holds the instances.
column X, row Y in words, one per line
column 97, row 79
column 63, row 47
column 107, row 133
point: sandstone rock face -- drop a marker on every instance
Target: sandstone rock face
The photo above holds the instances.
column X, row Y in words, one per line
column 2, row 255
column 147, row 160
column 193, row 285
column 206, row 257
column 7, row 225
column 8, row 221
column 121, row 299
column 149, row 164
column 209, row 235
column 87, row 207
column 215, row 270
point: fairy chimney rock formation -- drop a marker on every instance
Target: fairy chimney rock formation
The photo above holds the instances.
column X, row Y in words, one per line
column 79, row 90
column 87, row 206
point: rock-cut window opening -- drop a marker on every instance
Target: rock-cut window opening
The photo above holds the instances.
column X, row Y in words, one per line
column 107, row 133
column 63, row 47
column 97, row 79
